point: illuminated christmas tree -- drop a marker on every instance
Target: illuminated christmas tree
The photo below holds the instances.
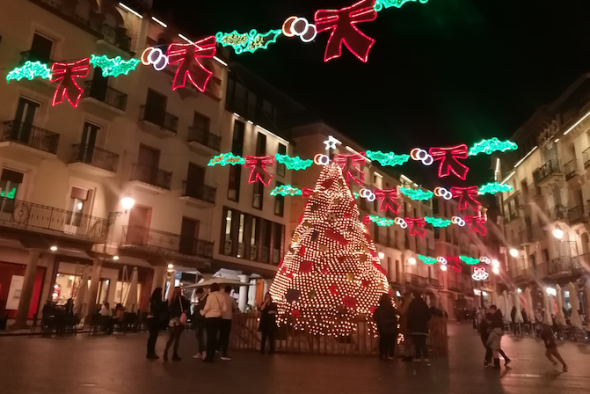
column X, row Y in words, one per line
column 331, row 273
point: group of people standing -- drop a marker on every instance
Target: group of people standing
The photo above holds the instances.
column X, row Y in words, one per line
column 414, row 316
column 211, row 317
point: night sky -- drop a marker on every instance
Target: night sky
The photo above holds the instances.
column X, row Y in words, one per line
column 440, row 73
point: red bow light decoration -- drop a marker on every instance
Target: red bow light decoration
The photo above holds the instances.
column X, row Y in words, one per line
column 344, row 31
column 466, row 196
column 351, row 166
column 258, row 165
column 388, row 199
column 476, row 224
column 307, row 192
column 416, row 226
column 454, row 262
column 190, row 67
column 66, row 74
column 449, row 162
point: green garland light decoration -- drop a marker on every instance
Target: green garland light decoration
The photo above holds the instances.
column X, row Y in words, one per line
column 437, row 222
column 226, row 158
column 469, row 260
column 388, row 159
column 493, row 188
column 285, row 190
column 113, row 67
column 249, row 42
column 30, row 70
column 427, row 260
column 416, row 195
column 385, row 4
column 293, row 163
column 492, row 145
column 356, row 195
column 382, row 221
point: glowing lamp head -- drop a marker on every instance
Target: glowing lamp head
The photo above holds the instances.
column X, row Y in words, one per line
column 520, row 291
column 115, row 258
column 558, row 233
column 127, row 202
column 412, row 261
column 514, row 252
column 381, row 255
column 170, row 266
column 443, row 267
column 53, row 248
column 495, row 263
column 496, row 270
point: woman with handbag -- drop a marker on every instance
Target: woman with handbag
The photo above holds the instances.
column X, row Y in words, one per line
column 177, row 305
column 214, row 309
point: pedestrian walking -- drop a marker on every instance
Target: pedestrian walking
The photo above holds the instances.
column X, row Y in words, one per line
column 213, row 310
column 177, row 310
column 418, row 318
column 549, row 338
column 385, row 317
column 497, row 327
column 199, row 323
column 226, row 317
column 484, row 333
column 268, row 323
column 403, row 327
column 153, row 322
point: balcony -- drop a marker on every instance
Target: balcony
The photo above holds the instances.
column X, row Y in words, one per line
column 558, row 212
column 431, row 252
column 586, row 158
column 22, row 215
column 576, row 215
column 30, row 56
column 416, row 280
column 434, row 282
column 202, row 196
column 114, row 37
column 103, row 101
column 203, row 142
column 533, row 234
column 565, row 265
column 547, row 172
column 151, row 178
column 155, row 241
column 25, row 138
column 511, row 216
column 569, row 169
column 158, row 122
column 93, row 160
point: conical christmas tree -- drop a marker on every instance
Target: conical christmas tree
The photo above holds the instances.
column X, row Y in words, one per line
column 331, row 273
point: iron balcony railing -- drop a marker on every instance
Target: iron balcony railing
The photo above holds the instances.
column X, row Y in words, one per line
column 434, row 282
column 106, row 94
column 203, row 137
column 30, row 56
column 558, row 212
column 117, row 37
column 152, row 176
column 569, row 169
column 586, row 157
column 25, row 215
column 29, row 135
column 96, row 157
column 200, row 192
column 532, row 234
column 159, row 117
column 161, row 241
column 563, row 264
column 417, row 280
column 549, row 168
column 576, row 215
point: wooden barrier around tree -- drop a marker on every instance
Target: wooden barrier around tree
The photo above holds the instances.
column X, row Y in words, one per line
column 362, row 342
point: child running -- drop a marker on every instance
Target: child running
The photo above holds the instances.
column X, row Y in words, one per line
column 549, row 339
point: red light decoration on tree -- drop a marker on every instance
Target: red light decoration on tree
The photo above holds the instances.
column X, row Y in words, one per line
column 351, row 166
column 448, row 160
column 344, row 31
column 388, row 198
column 338, row 278
column 466, row 196
column 476, row 224
column 416, row 226
column 190, row 67
column 66, row 74
column 306, row 192
column 258, row 165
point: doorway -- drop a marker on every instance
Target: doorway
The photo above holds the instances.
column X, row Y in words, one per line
column 139, row 225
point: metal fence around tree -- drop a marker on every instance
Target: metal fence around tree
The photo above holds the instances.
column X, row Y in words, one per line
column 364, row 341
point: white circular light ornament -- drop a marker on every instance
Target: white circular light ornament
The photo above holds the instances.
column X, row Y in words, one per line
column 442, row 192
column 458, row 220
column 441, row 260
column 321, row 160
column 479, row 273
column 300, row 27
column 485, row 260
column 401, row 222
column 368, row 194
column 155, row 57
column 421, row 155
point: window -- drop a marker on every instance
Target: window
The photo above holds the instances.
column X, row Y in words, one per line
column 279, row 202
column 388, row 234
column 10, row 182
column 254, row 231
column 281, row 169
column 376, row 232
column 435, row 208
column 261, row 144
column 239, row 99
column 237, row 144
column 40, row 49
column 77, row 206
column 23, row 121
column 251, row 112
column 88, row 142
column 269, row 111
column 241, row 228
column 257, row 195
column 277, row 241
column 266, row 239
column 389, row 269
column 201, row 124
column 99, row 85
column 189, row 235
column 235, row 172
column 227, row 233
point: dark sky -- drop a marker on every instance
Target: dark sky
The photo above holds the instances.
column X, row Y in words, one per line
column 440, row 73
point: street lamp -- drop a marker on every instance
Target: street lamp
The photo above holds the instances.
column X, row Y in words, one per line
column 496, row 270
column 412, row 261
column 443, row 267
column 514, row 252
column 381, row 255
column 495, row 263
column 127, row 203
column 558, row 233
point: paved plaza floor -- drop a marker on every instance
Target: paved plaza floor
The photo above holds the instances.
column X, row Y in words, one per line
column 96, row 365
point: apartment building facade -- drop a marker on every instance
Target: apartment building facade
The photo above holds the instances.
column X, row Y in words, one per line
column 546, row 215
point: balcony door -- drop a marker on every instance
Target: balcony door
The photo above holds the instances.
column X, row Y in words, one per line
column 98, row 89
column 189, row 234
column 148, row 161
column 88, row 142
column 23, row 120
column 40, row 49
column 195, row 179
column 139, row 225
column 155, row 107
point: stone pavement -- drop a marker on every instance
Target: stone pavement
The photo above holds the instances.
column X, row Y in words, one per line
column 97, row 365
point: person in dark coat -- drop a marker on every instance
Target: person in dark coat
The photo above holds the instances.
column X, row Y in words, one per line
column 484, row 333
column 268, row 323
column 497, row 324
column 549, row 338
column 418, row 318
column 178, row 310
column 385, row 317
column 199, row 323
column 153, row 322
